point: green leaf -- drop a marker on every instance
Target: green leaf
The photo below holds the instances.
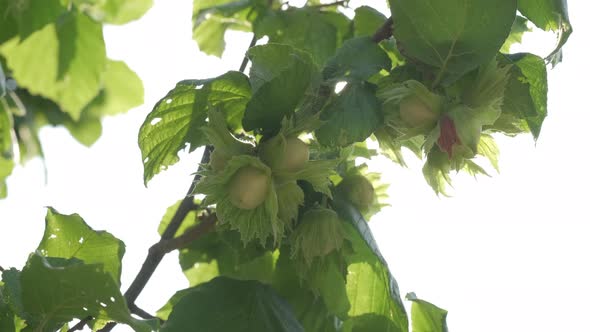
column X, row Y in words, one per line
column 6, row 142
column 426, row 317
column 176, row 120
column 212, row 18
column 549, row 15
column 357, row 59
column 9, row 23
column 209, row 35
column 114, row 11
column 315, row 172
column 526, row 92
column 221, row 253
column 189, row 220
column 367, row 20
column 122, row 90
column 309, row 308
column 6, row 316
column 329, row 281
column 73, row 62
column 488, row 148
column 68, row 236
column 280, row 76
column 352, row 116
column 519, row 27
column 290, row 197
column 370, row 286
column 56, row 290
column 10, row 302
column 34, row 15
column 232, row 305
column 453, row 36
column 370, row 322
column 306, row 29
column 12, row 290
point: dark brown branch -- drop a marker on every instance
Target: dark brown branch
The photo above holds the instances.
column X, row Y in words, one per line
column 80, row 324
column 384, row 32
column 140, row 312
column 245, row 60
column 193, row 233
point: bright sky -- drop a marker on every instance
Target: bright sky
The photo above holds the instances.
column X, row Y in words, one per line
column 507, row 253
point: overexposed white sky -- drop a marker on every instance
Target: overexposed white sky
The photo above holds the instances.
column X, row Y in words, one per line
column 508, row 253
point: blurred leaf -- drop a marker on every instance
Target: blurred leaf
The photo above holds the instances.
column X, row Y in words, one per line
column 188, row 221
column 549, row 15
column 352, row 116
column 212, row 18
column 6, row 153
column 40, row 112
column 175, row 121
column 305, row 29
column 519, row 27
column 34, row 15
column 9, row 22
column 367, row 20
column 232, row 305
column 122, row 90
column 73, row 62
column 280, row 78
column 114, row 11
column 57, row 290
column 68, row 236
column 357, row 59
column 426, row 317
column 455, row 35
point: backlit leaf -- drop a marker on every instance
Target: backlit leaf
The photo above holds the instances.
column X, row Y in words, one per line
column 68, row 236
column 175, row 121
column 453, row 36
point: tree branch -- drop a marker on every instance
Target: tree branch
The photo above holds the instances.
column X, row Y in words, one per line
column 193, row 233
column 141, row 313
column 1, row 269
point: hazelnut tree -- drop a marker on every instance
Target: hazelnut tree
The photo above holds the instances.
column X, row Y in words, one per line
column 272, row 234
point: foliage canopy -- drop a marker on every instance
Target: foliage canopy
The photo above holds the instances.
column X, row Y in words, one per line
column 294, row 252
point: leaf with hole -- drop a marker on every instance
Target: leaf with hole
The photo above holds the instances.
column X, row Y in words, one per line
column 176, row 120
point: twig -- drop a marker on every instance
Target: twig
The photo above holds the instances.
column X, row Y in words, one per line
column 140, row 312
column 80, row 324
column 1, row 269
column 245, row 60
column 384, row 32
column 187, row 237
